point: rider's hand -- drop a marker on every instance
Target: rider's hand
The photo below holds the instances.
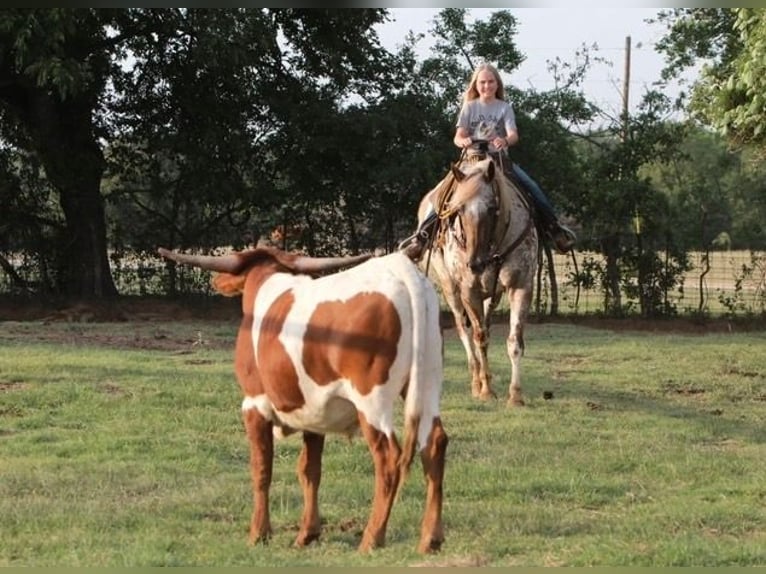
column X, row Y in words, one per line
column 467, row 142
column 500, row 143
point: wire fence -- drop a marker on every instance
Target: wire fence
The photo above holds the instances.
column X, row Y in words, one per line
column 728, row 283
column 718, row 283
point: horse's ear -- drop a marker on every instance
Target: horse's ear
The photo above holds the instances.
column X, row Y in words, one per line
column 489, row 175
column 459, row 175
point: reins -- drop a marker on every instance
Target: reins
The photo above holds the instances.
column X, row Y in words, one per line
column 444, row 211
column 443, row 195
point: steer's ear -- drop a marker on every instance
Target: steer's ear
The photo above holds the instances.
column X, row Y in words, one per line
column 228, row 285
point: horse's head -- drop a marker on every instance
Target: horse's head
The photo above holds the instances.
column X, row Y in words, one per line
column 475, row 203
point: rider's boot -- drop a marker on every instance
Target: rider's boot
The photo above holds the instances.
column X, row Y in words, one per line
column 414, row 245
column 562, row 237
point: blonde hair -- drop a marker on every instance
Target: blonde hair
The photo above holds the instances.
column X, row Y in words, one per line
column 471, row 93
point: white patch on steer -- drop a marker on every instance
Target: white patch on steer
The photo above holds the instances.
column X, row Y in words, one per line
column 332, row 407
column 271, row 289
column 339, row 416
column 261, row 403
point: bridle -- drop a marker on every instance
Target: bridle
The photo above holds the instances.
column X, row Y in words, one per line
column 499, row 251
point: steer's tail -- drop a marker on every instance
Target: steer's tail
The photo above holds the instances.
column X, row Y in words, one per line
column 421, row 403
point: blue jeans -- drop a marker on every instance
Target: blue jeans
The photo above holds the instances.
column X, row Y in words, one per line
column 542, row 203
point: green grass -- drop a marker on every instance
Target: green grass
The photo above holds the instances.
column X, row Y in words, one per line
column 122, row 445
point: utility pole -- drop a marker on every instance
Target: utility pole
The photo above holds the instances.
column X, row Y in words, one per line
column 626, row 90
column 644, row 304
column 611, row 243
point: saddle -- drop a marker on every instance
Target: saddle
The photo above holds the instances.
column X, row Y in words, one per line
column 503, row 244
column 443, row 193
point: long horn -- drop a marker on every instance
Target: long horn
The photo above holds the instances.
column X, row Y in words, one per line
column 311, row 265
column 230, row 263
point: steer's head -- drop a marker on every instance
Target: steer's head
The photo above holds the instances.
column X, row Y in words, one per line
column 232, row 269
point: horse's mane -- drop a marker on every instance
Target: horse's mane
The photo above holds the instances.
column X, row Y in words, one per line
column 473, row 171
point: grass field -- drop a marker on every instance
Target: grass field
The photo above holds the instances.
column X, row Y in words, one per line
column 121, row 445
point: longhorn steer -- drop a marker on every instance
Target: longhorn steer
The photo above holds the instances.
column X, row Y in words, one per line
column 331, row 355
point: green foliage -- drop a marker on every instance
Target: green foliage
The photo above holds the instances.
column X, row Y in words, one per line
column 695, row 34
column 753, row 274
column 469, row 44
column 712, row 190
column 199, row 112
column 42, row 50
column 203, row 128
column 215, row 178
column 729, row 94
column 734, row 101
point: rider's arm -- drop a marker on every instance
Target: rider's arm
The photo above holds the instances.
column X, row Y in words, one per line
column 462, row 137
column 512, row 137
column 511, row 133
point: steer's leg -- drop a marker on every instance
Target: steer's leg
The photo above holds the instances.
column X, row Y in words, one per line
column 309, row 475
column 385, row 455
column 260, row 433
column 433, row 458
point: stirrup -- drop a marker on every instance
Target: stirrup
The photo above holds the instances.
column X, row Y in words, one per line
column 563, row 238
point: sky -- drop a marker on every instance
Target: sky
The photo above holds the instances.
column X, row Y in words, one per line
column 543, row 34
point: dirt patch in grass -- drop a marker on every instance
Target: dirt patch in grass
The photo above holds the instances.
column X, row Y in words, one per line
column 121, row 309
column 149, row 313
column 152, row 324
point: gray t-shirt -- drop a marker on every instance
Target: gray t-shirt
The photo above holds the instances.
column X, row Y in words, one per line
column 485, row 121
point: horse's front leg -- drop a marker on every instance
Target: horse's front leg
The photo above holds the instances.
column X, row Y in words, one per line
column 481, row 344
column 519, row 301
column 464, row 332
column 480, row 340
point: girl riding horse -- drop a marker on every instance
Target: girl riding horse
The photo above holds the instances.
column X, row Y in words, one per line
column 486, row 116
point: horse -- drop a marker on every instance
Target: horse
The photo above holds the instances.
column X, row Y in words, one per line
column 486, row 245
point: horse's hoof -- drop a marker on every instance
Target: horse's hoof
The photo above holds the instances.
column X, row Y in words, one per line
column 516, row 402
column 430, row 545
column 487, row 395
column 306, row 538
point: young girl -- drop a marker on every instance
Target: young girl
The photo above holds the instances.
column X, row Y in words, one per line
column 485, row 115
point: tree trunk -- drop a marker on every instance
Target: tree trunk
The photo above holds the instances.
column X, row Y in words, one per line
column 87, row 266
column 63, row 135
column 612, row 296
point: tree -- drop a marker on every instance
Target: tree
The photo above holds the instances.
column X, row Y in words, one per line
column 625, row 212
column 716, row 196
column 188, row 104
column 54, row 66
column 729, row 94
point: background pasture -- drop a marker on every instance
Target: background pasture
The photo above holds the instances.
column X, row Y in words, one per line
column 121, row 445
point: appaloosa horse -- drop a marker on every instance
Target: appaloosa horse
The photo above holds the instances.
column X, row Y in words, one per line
column 486, row 246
